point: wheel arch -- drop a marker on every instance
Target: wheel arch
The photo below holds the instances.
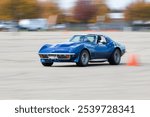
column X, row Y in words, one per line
column 44, row 46
column 87, row 51
column 111, row 59
column 119, row 50
column 79, row 62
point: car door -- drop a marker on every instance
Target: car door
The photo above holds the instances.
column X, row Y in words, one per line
column 103, row 48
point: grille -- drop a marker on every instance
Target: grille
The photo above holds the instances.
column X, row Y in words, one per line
column 55, row 56
column 43, row 56
column 63, row 56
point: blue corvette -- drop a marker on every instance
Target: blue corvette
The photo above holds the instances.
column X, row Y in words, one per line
column 83, row 49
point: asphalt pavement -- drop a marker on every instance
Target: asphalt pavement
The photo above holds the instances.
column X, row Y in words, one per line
column 23, row 77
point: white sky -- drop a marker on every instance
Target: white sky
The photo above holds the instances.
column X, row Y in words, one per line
column 114, row 4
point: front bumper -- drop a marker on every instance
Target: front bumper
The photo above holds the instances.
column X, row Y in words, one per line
column 58, row 57
column 123, row 52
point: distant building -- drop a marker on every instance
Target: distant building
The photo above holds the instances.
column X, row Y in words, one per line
column 116, row 21
column 116, row 15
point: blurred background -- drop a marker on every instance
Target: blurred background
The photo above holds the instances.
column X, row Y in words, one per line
column 75, row 15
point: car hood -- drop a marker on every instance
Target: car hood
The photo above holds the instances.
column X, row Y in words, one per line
column 66, row 44
column 60, row 48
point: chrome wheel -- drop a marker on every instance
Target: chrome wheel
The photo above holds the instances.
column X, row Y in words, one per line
column 117, row 56
column 84, row 58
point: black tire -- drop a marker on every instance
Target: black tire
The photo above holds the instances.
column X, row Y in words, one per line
column 47, row 64
column 39, row 29
column 115, row 58
column 83, row 58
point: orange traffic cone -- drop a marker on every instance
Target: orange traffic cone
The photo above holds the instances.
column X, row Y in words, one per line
column 133, row 61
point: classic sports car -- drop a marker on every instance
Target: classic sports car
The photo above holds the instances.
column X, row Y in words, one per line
column 83, row 49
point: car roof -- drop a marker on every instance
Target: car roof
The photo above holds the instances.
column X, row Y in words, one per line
column 90, row 35
column 96, row 34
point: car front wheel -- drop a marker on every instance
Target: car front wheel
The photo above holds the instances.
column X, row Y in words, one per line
column 47, row 64
column 83, row 58
column 115, row 57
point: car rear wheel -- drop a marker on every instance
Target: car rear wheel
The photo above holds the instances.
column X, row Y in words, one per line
column 115, row 58
column 83, row 58
column 47, row 64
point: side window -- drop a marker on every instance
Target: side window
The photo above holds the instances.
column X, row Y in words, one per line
column 103, row 40
column 91, row 39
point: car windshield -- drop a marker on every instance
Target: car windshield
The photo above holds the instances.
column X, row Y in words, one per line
column 83, row 38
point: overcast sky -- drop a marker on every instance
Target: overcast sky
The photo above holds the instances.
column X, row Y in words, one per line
column 116, row 4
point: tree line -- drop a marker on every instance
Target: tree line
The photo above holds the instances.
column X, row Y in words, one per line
column 23, row 9
column 83, row 11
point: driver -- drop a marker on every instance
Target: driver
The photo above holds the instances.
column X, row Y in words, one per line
column 99, row 39
column 84, row 38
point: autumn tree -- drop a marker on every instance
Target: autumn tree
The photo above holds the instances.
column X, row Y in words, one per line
column 84, row 11
column 18, row 9
column 49, row 8
column 138, row 11
column 88, row 10
column 102, row 10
